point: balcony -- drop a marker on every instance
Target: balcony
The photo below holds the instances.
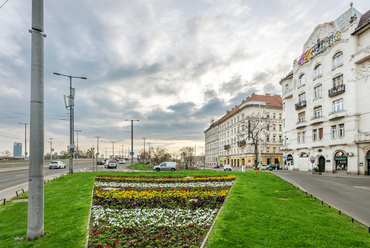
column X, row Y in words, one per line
column 241, row 143
column 300, row 104
column 227, row 147
column 337, row 90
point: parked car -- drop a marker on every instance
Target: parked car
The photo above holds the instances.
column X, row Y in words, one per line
column 271, row 167
column 264, row 167
column 216, row 167
column 57, row 165
column 121, row 161
column 166, row 166
column 227, row 167
column 110, row 164
column 100, row 162
column 279, row 166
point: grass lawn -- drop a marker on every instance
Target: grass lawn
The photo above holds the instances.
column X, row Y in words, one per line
column 261, row 211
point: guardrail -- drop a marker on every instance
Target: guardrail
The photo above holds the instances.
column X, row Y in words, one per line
column 19, row 190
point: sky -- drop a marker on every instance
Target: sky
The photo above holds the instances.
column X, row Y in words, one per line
column 171, row 64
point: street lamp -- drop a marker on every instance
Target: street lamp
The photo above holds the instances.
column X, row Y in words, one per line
column 132, row 141
column 25, row 139
column 113, row 148
column 70, row 105
column 144, row 149
column 97, row 146
column 51, row 148
column 150, row 159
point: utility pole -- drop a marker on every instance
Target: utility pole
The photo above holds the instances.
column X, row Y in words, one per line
column 25, row 140
column 144, row 149
column 35, row 219
column 51, row 148
column 113, row 147
column 122, row 151
column 97, row 147
column 132, row 141
column 150, row 158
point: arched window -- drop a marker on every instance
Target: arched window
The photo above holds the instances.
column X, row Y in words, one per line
column 302, row 80
column 317, row 71
column 337, row 59
column 340, row 159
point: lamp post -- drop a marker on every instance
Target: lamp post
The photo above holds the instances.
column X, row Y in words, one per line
column 25, row 140
column 70, row 105
column 51, row 148
column 132, row 141
column 150, row 159
column 113, row 147
column 144, row 149
column 97, row 147
column 122, row 151
column 77, row 131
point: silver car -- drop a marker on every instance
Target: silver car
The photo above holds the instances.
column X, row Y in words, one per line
column 111, row 164
column 57, row 165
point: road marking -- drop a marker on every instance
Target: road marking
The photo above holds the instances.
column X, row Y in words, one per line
column 362, row 187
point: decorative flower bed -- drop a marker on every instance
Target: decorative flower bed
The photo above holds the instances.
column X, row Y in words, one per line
column 155, row 211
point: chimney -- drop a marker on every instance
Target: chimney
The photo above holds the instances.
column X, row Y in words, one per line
column 267, row 94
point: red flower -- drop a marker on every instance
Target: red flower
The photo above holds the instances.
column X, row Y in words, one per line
column 116, row 242
column 131, row 241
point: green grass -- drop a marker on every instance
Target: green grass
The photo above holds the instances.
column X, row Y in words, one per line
column 140, row 166
column 261, row 211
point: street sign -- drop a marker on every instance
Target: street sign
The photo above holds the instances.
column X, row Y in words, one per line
column 138, row 159
column 312, row 159
column 284, row 157
column 131, row 153
column 76, row 154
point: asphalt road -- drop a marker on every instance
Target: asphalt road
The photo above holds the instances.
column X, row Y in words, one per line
column 348, row 193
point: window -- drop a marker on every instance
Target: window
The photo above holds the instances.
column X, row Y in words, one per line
column 341, row 130
column 302, row 117
column 280, row 127
column 286, row 87
column 317, row 71
column 302, row 80
column 317, row 91
column 267, row 138
column 280, row 116
column 273, row 116
column 280, row 138
column 303, row 137
column 317, row 112
column 338, row 59
column 274, row 138
column 298, row 137
column 314, row 134
column 338, row 105
column 268, row 127
column 274, row 127
column 302, row 97
column 333, row 132
column 283, row 106
column 338, row 81
column 321, row 133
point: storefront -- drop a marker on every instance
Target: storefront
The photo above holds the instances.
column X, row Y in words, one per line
column 341, row 160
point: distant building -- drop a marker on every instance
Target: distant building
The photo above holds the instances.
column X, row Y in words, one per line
column 325, row 98
column 17, row 149
column 229, row 139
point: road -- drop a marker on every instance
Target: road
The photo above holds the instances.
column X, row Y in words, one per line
column 348, row 193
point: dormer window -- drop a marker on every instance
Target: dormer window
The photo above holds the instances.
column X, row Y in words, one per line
column 317, row 71
column 302, row 80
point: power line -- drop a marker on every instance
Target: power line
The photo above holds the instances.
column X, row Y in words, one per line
column 3, row 4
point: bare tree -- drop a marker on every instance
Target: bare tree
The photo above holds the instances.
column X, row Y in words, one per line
column 159, row 155
column 188, row 152
column 6, row 153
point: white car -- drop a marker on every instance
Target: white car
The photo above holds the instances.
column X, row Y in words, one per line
column 57, row 165
column 121, row 161
column 227, row 167
column 166, row 166
column 264, row 167
column 111, row 164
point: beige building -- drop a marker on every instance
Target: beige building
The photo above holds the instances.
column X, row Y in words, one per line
column 325, row 106
column 229, row 140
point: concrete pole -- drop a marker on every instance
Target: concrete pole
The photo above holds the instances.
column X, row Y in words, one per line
column 150, row 159
column 51, row 148
column 97, row 146
column 71, row 125
column 35, row 219
column 77, row 131
column 144, row 148
column 25, row 140
column 122, row 151
column 132, row 141
column 113, row 147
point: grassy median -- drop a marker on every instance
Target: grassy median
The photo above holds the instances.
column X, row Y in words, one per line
column 261, row 211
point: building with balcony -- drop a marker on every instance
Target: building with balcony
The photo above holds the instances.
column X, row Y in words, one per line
column 325, row 106
column 229, row 140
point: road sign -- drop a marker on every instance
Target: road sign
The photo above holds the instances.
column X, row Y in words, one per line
column 284, row 157
column 312, row 159
column 131, row 153
column 76, row 154
column 138, row 159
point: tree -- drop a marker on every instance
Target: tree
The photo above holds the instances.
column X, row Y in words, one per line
column 188, row 155
column 159, row 155
column 6, row 153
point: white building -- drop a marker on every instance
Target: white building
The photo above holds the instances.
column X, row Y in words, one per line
column 228, row 140
column 325, row 107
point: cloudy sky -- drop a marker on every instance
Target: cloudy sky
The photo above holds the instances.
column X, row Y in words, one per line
column 172, row 64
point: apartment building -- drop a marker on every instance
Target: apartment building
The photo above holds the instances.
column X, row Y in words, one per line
column 326, row 114
column 232, row 138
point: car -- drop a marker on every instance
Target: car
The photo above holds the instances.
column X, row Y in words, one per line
column 110, row 164
column 166, row 166
column 264, row 167
column 100, row 162
column 121, row 161
column 280, row 166
column 271, row 167
column 216, row 167
column 254, row 167
column 57, row 165
column 227, row 167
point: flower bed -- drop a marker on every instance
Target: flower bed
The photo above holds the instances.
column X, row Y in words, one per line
column 155, row 211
